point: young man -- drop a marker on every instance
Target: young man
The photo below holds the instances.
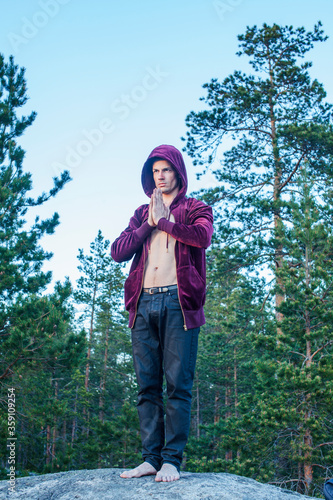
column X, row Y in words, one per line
column 165, row 294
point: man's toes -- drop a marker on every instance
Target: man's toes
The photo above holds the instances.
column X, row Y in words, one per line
column 145, row 469
column 128, row 474
column 167, row 473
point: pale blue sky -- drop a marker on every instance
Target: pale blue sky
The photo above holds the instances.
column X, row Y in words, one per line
column 132, row 70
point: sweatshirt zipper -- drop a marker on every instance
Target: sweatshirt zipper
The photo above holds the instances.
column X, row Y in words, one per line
column 181, row 307
column 185, row 327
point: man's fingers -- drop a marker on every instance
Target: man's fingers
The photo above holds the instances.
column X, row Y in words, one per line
column 158, row 207
column 159, row 198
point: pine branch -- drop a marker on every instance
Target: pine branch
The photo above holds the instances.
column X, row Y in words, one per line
column 292, row 173
column 265, row 300
column 323, row 444
column 4, row 375
column 320, row 349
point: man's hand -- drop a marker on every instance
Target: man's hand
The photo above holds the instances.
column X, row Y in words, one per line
column 157, row 208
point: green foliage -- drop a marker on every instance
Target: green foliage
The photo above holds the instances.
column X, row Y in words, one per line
column 262, row 397
column 43, row 353
column 279, row 426
column 263, row 405
column 275, row 118
column 66, row 424
column 21, row 256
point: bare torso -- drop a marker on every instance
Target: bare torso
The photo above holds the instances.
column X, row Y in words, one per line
column 160, row 267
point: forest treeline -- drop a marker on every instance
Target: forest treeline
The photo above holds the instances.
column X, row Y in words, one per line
column 262, row 399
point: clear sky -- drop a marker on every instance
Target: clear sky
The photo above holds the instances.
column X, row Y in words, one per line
column 110, row 80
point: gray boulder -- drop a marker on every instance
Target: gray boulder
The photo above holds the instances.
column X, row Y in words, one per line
column 105, row 484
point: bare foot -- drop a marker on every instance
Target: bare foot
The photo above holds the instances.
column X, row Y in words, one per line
column 168, row 472
column 144, row 469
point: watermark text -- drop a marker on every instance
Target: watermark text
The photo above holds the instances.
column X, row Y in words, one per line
column 31, row 27
column 120, row 109
column 224, row 7
column 11, row 440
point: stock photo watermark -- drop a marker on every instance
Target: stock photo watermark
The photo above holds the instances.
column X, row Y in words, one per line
column 120, row 108
column 31, row 27
column 11, row 440
column 224, row 7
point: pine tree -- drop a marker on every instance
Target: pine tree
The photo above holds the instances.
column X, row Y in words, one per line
column 306, row 372
column 276, row 118
column 93, row 268
column 280, row 126
column 224, row 373
column 283, row 426
column 21, row 256
column 110, row 325
column 109, row 376
column 54, row 351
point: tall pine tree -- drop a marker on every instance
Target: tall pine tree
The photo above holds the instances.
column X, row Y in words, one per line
column 21, row 256
column 277, row 118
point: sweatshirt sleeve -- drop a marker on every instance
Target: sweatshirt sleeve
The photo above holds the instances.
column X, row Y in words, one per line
column 199, row 231
column 130, row 240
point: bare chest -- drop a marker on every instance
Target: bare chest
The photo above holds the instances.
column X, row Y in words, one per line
column 160, row 267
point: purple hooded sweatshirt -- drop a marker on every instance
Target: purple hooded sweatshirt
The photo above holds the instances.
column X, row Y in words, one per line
column 192, row 230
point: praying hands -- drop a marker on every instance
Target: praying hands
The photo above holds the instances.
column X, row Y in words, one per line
column 157, row 208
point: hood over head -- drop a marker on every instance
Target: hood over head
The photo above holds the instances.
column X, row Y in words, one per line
column 174, row 156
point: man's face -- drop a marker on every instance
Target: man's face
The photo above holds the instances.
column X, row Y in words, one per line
column 165, row 177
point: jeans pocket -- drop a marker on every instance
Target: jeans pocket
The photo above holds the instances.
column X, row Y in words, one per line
column 173, row 296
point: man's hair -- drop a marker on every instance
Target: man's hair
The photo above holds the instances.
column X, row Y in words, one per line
column 157, row 158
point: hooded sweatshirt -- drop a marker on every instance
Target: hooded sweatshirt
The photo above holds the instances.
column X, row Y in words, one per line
column 192, row 230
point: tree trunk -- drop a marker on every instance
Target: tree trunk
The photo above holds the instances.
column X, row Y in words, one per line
column 86, row 382
column 308, row 469
column 74, row 419
column 279, row 297
column 216, row 408
column 91, row 329
column 235, row 381
column 308, row 472
column 198, row 409
column 54, row 434
column 64, row 440
column 236, row 390
column 48, row 445
column 228, row 413
column 300, row 487
column 103, row 378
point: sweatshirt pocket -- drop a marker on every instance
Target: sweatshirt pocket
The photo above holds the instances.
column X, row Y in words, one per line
column 132, row 289
column 192, row 288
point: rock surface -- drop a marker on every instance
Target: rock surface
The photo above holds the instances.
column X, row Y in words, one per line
column 105, row 484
